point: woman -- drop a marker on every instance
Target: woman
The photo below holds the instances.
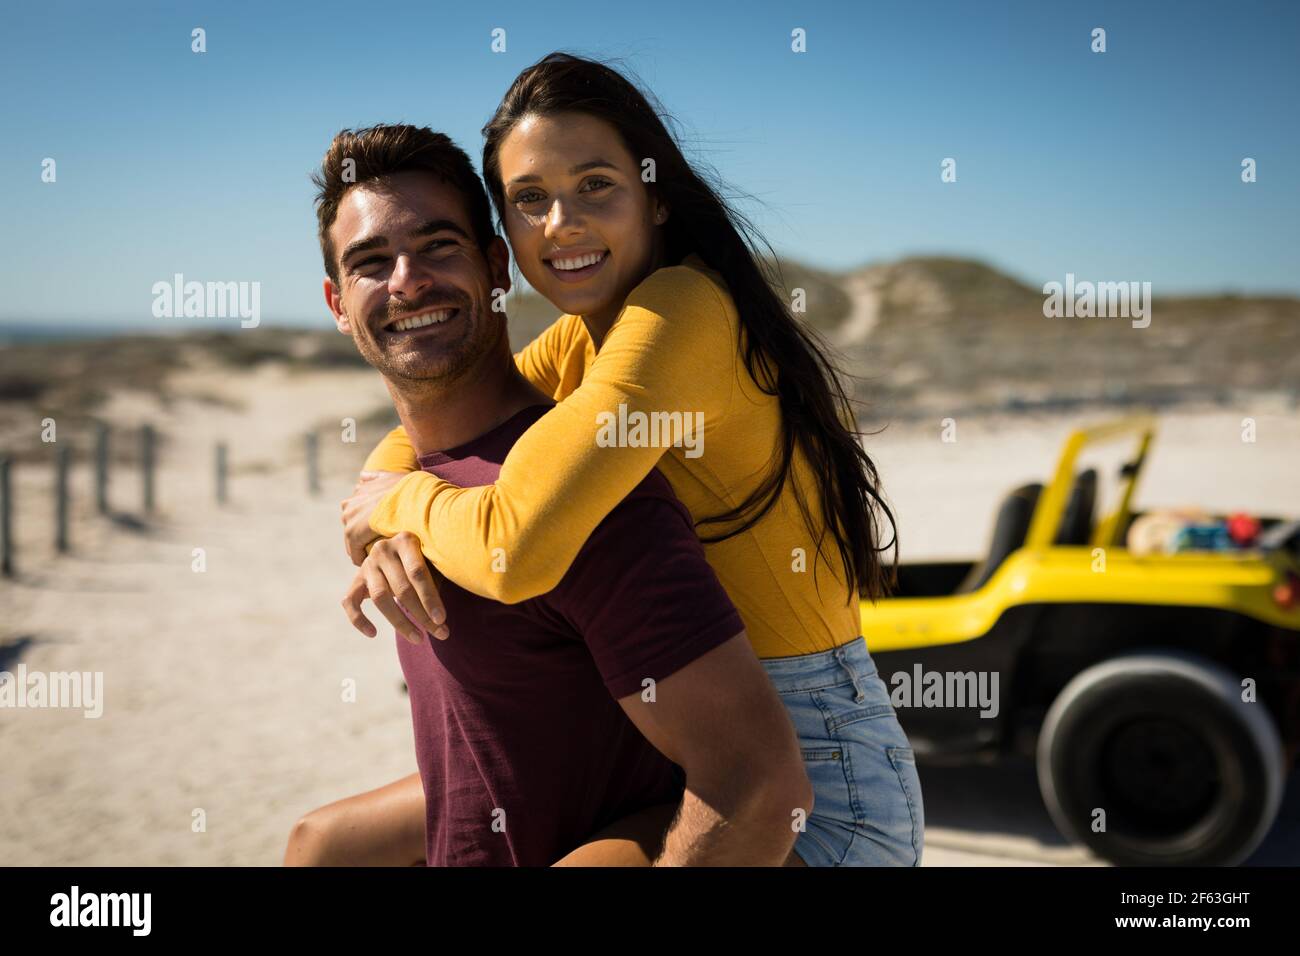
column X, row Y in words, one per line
column 668, row 309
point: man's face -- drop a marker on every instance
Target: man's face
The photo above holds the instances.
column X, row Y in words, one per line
column 415, row 290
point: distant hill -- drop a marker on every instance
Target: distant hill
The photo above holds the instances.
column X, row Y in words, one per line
column 953, row 335
column 937, row 287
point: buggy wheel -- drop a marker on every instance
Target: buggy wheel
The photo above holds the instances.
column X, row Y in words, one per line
column 1184, row 772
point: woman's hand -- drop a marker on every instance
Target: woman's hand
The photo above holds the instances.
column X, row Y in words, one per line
column 397, row 578
column 356, row 509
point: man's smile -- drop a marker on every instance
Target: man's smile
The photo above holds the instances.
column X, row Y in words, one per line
column 404, row 325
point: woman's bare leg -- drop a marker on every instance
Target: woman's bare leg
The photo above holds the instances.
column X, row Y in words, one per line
column 383, row 827
column 634, row 840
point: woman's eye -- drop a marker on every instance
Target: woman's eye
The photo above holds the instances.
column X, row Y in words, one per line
column 595, row 184
column 528, row 196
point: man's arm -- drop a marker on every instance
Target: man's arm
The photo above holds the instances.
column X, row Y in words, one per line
column 651, row 609
column 720, row 719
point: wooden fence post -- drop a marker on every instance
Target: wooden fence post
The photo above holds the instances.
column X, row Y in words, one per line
column 313, row 463
column 101, row 468
column 147, row 441
column 62, row 464
column 221, row 465
column 6, row 519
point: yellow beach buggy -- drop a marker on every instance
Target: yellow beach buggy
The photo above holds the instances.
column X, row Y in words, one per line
column 1158, row 692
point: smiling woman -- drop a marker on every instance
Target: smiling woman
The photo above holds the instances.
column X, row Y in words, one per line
column 572, row 193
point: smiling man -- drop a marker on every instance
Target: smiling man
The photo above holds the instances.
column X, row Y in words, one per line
column 540, row 723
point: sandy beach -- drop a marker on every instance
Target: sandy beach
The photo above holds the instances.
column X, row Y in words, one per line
column 226, row 690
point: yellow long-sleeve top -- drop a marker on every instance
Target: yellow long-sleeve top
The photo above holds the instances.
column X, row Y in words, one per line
column 675, row 347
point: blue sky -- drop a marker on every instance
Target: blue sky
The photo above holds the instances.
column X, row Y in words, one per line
column 1116, row 166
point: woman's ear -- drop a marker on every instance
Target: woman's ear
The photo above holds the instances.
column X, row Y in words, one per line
column 661, row 212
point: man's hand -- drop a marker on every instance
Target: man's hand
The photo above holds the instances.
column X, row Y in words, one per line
column 397, row 578
column 356, row 509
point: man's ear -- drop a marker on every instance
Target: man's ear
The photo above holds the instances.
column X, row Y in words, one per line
column 335, row 302
column 498, row 258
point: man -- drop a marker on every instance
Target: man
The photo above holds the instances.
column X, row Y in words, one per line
column 538, row 724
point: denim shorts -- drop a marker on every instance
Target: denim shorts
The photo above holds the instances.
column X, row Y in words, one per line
column 867, row 807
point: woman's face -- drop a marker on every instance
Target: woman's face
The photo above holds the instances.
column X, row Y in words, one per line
column 581, row 223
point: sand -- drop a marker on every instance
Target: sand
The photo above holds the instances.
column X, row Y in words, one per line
column 224, row 689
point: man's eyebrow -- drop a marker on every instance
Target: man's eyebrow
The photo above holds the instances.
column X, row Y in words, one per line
column 573, row 171
column 440, row 225
column 427, row 229
column 361, row 245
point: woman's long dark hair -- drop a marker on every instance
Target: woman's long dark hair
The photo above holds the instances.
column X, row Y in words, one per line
column 783, row 357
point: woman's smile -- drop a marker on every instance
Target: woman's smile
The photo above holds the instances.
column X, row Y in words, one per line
column 575, row 265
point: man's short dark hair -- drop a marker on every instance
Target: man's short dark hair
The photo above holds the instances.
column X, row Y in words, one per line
column 378, row 152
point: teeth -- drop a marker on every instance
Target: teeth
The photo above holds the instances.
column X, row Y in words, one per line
column 421, row 320
column 590, row 259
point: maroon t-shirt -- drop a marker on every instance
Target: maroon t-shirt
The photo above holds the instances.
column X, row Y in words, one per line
column 523, row 749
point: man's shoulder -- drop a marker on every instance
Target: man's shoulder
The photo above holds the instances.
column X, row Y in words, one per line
column 650, row 520
column 642, row 593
